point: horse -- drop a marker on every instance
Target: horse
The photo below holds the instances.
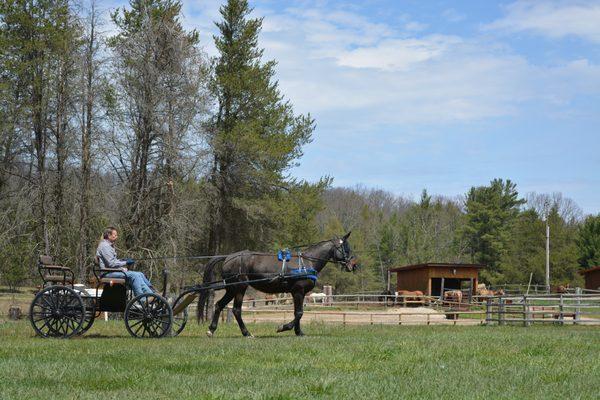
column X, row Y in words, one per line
column 412, row 296
column 453, row 296
column 239, row 269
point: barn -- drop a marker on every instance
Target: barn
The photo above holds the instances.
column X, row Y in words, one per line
column 592, row 278
column 430, row 278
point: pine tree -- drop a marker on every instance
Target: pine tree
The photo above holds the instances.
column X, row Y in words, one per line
column 255, row 136
column 588, row 242
column 491, row 211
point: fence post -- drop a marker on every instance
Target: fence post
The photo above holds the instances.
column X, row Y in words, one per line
column 501, row 315
column 488, row 311
column 526, row 314
column 578, row 310
column 561, row 315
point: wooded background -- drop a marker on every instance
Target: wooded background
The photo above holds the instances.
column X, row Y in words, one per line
column 188, row 154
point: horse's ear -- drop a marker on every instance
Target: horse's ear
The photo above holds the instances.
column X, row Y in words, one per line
column 346, row 236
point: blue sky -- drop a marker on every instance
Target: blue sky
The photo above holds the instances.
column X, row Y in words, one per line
column 442, row 95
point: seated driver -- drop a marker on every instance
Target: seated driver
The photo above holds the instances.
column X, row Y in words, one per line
column 107, row 258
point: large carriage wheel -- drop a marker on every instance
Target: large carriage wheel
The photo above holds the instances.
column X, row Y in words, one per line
column 148, row 315
column 57, row 311
column 180, row 317
column 90, row 314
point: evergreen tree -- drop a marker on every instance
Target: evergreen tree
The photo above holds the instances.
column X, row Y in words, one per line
column 525, row 253
column 563, row 250
column 255, row 136
column 588, row 242
column 491, row 211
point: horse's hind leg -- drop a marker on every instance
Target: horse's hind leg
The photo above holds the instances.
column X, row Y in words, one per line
column 219, row 307
column 237, row 311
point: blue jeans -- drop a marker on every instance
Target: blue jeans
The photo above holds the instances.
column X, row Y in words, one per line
column 136, row 280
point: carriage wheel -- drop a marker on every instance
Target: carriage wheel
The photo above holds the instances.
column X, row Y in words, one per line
column 148, row 315
column 57, row 311
column 179, row 319
column 90, row 314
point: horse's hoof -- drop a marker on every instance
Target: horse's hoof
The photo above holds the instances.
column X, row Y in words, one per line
column 280, row 329
column 209, row 334
column 300, row 334
column 249, row 336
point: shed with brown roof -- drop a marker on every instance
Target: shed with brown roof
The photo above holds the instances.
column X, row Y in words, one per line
column 592, row 278
column 431, row 278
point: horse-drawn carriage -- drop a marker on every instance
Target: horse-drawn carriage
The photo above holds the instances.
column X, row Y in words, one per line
column 63, row 308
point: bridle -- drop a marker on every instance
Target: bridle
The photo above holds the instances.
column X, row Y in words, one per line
column 338, row 245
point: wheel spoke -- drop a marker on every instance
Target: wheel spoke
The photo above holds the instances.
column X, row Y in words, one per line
column 44, row 325
column 139, row 328
column 135, row 313
column 48, row 301
column 136, row 323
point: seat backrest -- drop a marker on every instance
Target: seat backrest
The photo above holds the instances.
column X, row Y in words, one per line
column 46, row 260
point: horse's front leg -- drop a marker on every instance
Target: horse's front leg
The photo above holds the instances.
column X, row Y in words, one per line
column 298, row 311
column 298, row 296
column 237, row 312
column 287, row 327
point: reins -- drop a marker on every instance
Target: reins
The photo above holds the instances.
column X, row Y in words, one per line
column 254, row 253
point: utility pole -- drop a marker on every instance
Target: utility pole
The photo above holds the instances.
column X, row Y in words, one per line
column 547, row 255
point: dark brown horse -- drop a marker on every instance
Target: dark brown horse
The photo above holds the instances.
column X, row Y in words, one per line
column 242, row 267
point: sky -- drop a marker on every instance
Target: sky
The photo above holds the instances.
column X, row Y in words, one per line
column 438, row 95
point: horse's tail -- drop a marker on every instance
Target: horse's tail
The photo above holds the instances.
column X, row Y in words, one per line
column 209, row 276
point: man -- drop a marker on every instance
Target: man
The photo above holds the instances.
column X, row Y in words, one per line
column 107, row 258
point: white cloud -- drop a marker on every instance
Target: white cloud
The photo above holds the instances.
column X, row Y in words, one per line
column 357, row 73
column 396, row 54
column 453, row 16
column 555, row 19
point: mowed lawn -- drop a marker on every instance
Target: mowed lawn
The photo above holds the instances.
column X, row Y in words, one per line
column 359, row 362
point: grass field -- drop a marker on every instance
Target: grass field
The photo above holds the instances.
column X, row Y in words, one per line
column 362, row 362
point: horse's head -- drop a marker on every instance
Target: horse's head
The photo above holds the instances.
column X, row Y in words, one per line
column 342, row 253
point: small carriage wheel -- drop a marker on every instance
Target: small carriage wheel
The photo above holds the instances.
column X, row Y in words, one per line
column 57, row 311
column 148, row 315
column 90, row 314
column 179, row 319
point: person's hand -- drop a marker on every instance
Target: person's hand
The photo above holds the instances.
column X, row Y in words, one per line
column 124, row 269
column 130, row 261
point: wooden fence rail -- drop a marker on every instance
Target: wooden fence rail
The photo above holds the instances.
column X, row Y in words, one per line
column 576, row 309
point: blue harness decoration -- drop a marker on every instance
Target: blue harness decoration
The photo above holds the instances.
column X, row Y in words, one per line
column 303, row 273
column 284, row 255
column 296, row 273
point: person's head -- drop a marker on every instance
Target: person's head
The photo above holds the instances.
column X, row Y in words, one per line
column 110, row 234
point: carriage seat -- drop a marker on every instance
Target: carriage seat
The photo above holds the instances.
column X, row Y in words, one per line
column 98, row 272
column 113, row 281
column 51, row 272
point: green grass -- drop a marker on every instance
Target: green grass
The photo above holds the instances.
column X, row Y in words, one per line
column 361, row 362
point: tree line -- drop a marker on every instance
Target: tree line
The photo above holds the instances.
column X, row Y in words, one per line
column 189, row 154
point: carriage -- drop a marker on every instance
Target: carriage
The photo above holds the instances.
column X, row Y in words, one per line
column 64, row 309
